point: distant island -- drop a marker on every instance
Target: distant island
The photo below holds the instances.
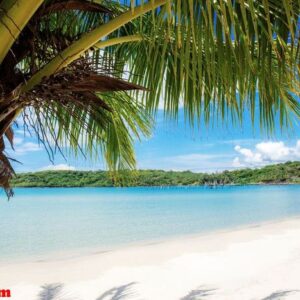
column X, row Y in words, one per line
column 287, row 173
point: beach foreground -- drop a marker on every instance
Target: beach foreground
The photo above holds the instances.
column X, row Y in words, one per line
column 258, row 262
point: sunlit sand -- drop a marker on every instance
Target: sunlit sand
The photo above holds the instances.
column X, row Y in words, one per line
column 258, row 262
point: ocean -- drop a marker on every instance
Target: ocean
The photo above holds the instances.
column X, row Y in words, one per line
column 41, row 222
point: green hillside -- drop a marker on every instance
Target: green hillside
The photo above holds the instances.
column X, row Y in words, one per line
column 274, row 174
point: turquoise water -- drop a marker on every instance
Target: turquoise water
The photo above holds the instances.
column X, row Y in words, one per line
column 39, row 222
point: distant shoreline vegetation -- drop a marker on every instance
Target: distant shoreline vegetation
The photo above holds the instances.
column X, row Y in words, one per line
column 287, row 173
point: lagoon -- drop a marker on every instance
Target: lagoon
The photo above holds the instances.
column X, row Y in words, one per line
column 39, row 222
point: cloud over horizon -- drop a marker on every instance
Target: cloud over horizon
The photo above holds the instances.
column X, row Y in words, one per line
column 265, row 153
column 59, row 167
column 26, row 147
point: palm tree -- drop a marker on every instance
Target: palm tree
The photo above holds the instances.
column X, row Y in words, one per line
column 66, row 66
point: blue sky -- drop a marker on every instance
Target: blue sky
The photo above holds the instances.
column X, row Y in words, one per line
column 175, row 146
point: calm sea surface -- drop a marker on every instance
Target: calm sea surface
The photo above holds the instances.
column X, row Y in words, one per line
column 39, row 222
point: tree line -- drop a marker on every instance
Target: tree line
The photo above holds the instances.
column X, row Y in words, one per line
column 286, row 173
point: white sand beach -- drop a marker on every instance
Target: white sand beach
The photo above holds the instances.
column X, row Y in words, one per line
column 259, row 262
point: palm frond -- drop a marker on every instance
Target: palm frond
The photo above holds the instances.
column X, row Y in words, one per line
column 216, row 56
column 83, row 111
column 88, row 127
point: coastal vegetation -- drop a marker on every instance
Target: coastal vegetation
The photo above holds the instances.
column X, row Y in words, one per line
column 87, row 76
column 287, row 173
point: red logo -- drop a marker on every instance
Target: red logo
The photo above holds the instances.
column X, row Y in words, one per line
column 5, row 293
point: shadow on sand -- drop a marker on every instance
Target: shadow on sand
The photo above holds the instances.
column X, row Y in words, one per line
column 54, row 291
column 198, row 294
column 279, row 295
column 50, row 291
column 118, row 293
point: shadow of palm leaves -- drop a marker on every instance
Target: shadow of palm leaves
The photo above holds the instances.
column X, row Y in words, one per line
column 279, row 295
column 117, row 293
column 53, row 291
column 198, row 294
column 50, row 291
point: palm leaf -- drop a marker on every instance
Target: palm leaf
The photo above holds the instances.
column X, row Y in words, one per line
column 216, row 56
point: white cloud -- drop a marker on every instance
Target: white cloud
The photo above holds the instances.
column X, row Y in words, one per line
column 60, row 167
column 18, row 140
column 23, row 148
column 266, row 153
column 23, row 133
column 23, row 145
column 248, row 155
column 237, row 163
column 275, row 151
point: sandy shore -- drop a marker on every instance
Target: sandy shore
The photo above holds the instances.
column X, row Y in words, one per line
column 259, row 262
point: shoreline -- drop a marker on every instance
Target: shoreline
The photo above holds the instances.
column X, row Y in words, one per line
column 161, row 186
column 241, row 263
column 78, row 253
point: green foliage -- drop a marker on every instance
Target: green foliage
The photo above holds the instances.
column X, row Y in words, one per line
column 274, row 174
column 218, row 58
column 93, row 130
